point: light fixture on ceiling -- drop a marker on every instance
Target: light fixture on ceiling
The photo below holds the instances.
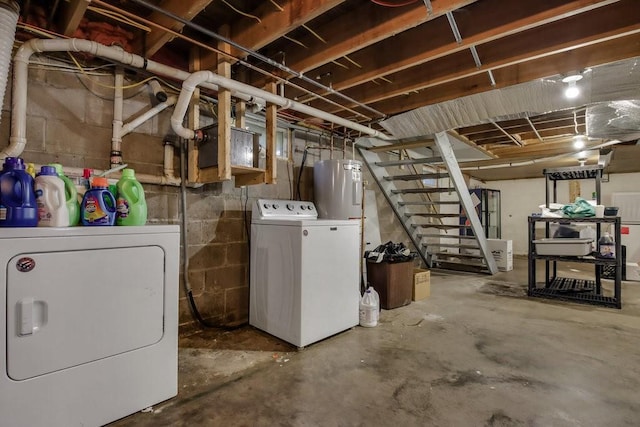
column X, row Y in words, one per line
column 582, row 158
column 572, row 91
column 578, row 142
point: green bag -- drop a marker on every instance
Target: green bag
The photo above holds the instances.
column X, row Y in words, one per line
column 579, row 209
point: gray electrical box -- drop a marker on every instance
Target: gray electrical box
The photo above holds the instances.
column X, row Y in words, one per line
column 244, row 147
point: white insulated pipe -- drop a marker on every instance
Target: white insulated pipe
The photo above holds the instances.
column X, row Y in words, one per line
column 127, row 128
column 18, row 140
column 9, row 10
column 118, row 108
column 202, row 77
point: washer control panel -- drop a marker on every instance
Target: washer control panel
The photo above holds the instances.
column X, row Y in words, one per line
column 285, row 209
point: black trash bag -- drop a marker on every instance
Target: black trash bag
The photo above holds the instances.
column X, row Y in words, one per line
column 390, row 252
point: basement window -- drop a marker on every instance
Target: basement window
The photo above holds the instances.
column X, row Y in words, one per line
column 282, row 139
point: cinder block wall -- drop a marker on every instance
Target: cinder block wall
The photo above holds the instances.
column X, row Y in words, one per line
column 69, row 122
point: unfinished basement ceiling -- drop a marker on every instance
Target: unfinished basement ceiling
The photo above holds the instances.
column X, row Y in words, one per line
column 386, row 60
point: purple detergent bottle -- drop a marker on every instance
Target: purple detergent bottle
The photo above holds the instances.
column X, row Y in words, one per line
column 17, row 197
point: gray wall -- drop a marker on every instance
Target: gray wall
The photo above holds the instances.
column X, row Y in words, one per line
column 69, row 122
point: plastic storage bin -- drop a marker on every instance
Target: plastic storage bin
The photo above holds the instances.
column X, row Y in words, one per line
column 563, row 247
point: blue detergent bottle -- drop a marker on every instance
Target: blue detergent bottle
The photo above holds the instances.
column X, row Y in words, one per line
column 98, row 204
column 17, row 196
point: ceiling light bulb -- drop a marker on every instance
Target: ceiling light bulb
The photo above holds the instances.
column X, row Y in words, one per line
column 578, row 142
column 572, row 91
column 572, row 78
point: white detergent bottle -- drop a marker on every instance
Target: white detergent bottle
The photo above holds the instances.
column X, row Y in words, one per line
column 51, row 199
column 369, row 308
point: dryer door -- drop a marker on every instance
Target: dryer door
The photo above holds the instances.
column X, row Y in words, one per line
column 73, row 307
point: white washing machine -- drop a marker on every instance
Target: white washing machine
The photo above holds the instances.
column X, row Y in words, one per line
column 304, row 279
column 91, row 323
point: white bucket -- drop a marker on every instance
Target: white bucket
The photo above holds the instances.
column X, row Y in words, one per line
column 369, row 308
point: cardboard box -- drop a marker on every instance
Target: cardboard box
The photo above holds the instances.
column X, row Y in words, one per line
column 421, row 284
column 502, row 251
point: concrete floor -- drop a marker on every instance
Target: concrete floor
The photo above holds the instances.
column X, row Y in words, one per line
column 478, row 352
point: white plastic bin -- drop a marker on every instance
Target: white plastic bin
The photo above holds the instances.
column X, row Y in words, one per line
column 563, row 247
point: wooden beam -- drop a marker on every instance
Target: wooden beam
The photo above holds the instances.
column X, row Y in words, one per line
column 72, row 13
column 241, row 112
column 274, row 23
column 481, row 23
column 471, row 144
column 560, row 63
column 193, row 120
column 272, row 126
column 224, row 113
column 185, row 9
column 576, row 32
column 543, row 149
column 355, row 29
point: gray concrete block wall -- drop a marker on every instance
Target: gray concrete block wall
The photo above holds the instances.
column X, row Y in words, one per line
column 69, row 122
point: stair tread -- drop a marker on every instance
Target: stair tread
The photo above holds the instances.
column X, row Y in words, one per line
column 430, row 202
column 442, row 226
column 432, row 215
column 467, row 265
column 412, row 177
column 450, row 245
column 422, row 160
column 448, row 254
column 445, row 236
column 423, row 190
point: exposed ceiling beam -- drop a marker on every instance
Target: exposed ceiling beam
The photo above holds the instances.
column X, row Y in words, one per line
column 521, row 125
column 576, row 32
column 531, row 136
column 547, row 129
column 364, row 25
column 156, row 39
column 543, row 149
column 72, row 13
column 274, row 23
column 507, row 134
column 399, row 52
column 560, row 63
column 471, row 144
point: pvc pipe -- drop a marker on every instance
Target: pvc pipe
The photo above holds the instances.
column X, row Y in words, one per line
column 168, row 161
column 17, row 141
column 152, row 112
column 118, row 107
column 200, row 77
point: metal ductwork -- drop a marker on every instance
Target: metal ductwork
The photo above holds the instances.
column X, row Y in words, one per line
column 612, row 82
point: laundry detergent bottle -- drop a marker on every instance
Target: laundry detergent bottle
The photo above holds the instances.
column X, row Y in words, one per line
column 50, row 198
column 131, row 204
column 17, row 196
column 71, row 195
column 98, row 204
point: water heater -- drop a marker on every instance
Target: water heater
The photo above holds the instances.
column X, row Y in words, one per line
column 337, row 184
